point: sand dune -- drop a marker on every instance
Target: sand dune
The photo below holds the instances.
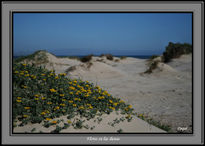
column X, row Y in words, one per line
column 165, row 95
column 135, row 126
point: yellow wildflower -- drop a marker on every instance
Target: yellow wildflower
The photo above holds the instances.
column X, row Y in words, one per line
column 63, row 99
column 90, row 107
column 36, row 98
column 18, row 97
column 115, row 104
column 101, row 97
column 25, row 116
column 110, row 101
column 70, row 101
column 69, row 122
column 49, row 102
column 43, row 113
column 72, row 88
column 54, row 122
column 27, row 107
column 61, row 94
column 57, row 107
column 44, row 79
column 51, row 74
column 24, row 64
column 18, row 100
column 130, row 106
column 26, row 75
column 62, row 74
column 48, row 119
column 53, row 90
column 74, row 105
column 112, row 108
column 43, row 98
column 71, row 93
column 81, row 107
column 43, row 74
column 47, row 111
column 86, row 95
column 25, row 87
column 62, row 104
column 16, row 72
column 56, row 77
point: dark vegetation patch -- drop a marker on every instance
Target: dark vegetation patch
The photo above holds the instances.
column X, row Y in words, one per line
column 39, row 57
column 123, row 57
column 152, row 66
column 86, row 58
column 108, row 56
column 70, row 69
column 176, row 50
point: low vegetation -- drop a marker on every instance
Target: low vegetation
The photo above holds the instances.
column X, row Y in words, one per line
column 176, row 50
column 123, row 57
column 153, row 57
column 151, row 121
column 39, row 57
column 172, row 51
column 40, row 95
column 152, row 65
column 108, row 56
column 86, row 58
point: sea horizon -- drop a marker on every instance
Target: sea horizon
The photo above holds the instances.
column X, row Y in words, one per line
column 80, row 56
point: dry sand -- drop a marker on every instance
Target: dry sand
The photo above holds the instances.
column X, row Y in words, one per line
column 104, row 126
column 164, row 95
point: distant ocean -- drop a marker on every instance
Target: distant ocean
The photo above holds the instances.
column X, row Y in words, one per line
column 134, row 56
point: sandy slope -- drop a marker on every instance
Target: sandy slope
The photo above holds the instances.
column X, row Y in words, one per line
column 104, row 126
column 165, row 95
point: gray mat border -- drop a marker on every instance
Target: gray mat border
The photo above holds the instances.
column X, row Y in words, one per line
column 128, row 139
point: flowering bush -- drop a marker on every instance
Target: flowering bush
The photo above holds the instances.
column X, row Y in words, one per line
column 42, row 95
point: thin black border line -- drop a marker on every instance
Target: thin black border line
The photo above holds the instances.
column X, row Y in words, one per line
column 102, row 2
column 202, row 72
column 11, row 69
column 118, row 134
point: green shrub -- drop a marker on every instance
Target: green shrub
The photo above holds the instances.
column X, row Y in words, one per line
column 152, row 66
column 109, row 56
column 153, row 57
column 176, row 50
column 38, row 56
column 86, row 58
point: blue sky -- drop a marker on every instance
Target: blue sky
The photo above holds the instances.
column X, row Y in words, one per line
column 73, row 34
